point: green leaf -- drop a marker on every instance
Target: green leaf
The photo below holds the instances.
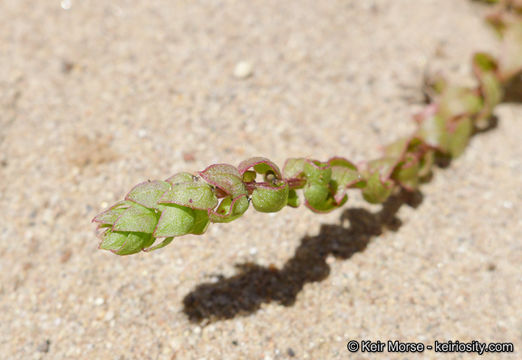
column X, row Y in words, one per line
column 484, row 62
column 342, row 178
column 249, row 176
column 384, row 166
column 180, row 178
column 113, row 213
column 407, row 174
column 136, row 218
column 125, row 243
column 201, row 222
column 457, row 101
column 426, row 163
column 175, row 220
column 376, row 191
column 433, row 130
column 317, row 172
column 226, row 177
column 316, row 195
column 135, row 243
column 492, row 91
column 160, row 245
column 459, row 138
column 485, row 69
column 195, row 195
column 397, row 148
column 148, row 193
column 270, row 199
column 293, row 198
column 341, row 162
column 229, row 210
column 113, row 240
column 293, row 168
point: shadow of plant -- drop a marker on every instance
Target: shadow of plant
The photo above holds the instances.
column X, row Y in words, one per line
column 513, row 90
column 245, row 292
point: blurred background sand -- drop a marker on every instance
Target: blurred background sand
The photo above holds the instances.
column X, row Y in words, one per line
column 97, row 96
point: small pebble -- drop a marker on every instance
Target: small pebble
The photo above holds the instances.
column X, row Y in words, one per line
column 243, row 70
column 66, row 4
column 290, row 352
column 142, row 133
column 45, row 346
column 99, row 301
column 508, row 204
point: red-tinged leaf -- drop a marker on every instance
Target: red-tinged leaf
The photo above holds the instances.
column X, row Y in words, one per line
column 229, row 209
column 341, row 162
column 195, row 195
column 180, row 178
column 226, row 177
column 261, row 165
column 112, row 214
column 342, row 179
column 148, row 193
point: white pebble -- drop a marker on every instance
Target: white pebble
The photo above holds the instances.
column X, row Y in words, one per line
column 99, row 301
column 243, row 70
column 66, row 4
column 508, row 204
column 142, row 133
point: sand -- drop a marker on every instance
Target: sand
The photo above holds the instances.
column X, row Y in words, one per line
column 98, row 96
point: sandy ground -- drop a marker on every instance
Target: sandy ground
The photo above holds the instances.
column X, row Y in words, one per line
column 97, row 96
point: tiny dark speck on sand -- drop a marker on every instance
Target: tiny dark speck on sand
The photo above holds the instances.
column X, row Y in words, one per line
column 44, row 346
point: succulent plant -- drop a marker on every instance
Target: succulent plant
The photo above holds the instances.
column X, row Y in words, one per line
column 153, row 213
